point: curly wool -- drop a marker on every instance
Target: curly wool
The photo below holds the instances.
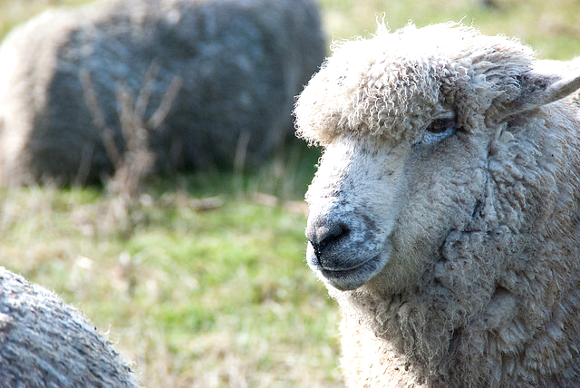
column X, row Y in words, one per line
column 482, row 287
column 386, row 86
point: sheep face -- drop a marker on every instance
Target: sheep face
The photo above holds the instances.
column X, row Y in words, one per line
column 377, row 209
column 410, row 123
column 349, row 241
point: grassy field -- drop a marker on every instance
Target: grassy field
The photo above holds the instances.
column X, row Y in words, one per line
column 209, row 286
column 551, row 28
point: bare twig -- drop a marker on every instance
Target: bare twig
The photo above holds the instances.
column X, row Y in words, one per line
column 147, row 90
column 90, row 98
column 165, row 106
column 136, row 161
column 107, row 134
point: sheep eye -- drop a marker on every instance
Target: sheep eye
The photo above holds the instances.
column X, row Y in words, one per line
column 438, row 130
column 440, row 125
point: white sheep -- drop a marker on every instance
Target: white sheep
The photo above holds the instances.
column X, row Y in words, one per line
column 445, row 213
column 241, row 63
column 45, row 343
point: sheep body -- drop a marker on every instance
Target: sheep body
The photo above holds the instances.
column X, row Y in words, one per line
column 445, row 212
column 45, row 343
column 240, row 63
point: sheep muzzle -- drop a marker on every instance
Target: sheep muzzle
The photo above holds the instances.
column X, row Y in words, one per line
column 345, row 250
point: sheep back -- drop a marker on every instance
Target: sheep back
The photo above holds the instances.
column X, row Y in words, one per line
column 45, row 343
column 240, row 63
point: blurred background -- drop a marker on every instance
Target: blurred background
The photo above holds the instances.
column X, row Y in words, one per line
column 200, row 279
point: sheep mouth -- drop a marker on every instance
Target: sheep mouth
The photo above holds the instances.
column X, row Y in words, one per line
column 353, row 278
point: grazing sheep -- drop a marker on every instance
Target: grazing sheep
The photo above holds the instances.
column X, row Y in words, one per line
column 45, row 343
column 445, row 213
column 240, row 64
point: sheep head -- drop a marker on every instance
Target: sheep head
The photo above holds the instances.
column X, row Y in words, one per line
column 412, row 124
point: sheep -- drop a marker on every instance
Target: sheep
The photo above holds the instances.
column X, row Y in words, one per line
column 445, row 212
column 240, row 64
column 46, row 343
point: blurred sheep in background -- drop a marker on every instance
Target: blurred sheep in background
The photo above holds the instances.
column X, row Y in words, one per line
column 201, row 84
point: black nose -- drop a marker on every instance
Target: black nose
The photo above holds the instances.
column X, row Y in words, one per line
column 323, row 234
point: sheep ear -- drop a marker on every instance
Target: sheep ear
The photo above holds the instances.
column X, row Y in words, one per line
column 539, row 88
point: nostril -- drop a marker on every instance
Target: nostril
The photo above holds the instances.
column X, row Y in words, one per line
column 326, row 235
column 335, row 232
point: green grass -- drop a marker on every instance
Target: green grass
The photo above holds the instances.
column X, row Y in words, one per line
column 222, row 297
column 13, row 12
column 202, row 298
column 550, row 27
